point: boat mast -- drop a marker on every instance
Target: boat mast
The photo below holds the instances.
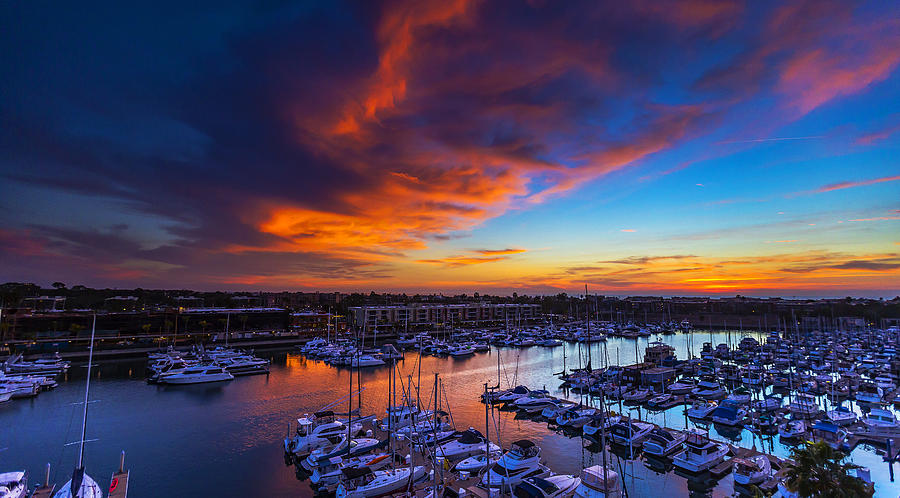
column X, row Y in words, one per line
column 87, row 388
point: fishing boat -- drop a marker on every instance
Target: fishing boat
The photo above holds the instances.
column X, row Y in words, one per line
column 700, row 453
column 599, row 482
column 554, row 486
column 662, row 442
column 523, row 460
column 752, row 470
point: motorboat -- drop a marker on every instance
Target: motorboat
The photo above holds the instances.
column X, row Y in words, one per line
column 462, row 350
column 841, row 416
column 792, row 429
column 804, row 406
column 767, row 404
column 598, row 423
column 322, row 456
column 880, row 418
column 599, row 482
column 680, row 387
column 514, row 394
column 476, row 463
column 752, row 470
column 637, row 395
column 554, row 486
column 14, row 484
column 700, row 453
column 199, row 374
column 327, row 477
column 662, row 442
column 364, row 483
column 869, row 393
column 317, row 430
column 551, row 412
column 470, row 443
column 402, row 416
column 701, row 409
column 576, row 417
column 829, row 433
column 245, row 365
column 366, row 360
column 630, row 432
column 709, row 389
column 728, row 414
column 535, row 401
column 523, row 460
column 741, row 395
column 659, row 400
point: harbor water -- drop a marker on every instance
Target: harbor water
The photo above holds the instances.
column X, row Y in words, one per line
column 225, row 439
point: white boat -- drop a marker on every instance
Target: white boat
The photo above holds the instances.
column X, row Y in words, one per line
column 514, row 394
column 364, row 483
column 554, row 486
column 400, row 417
column 523, row 460
column 880, row 418
column 630, row 432
column 462, row 350
column 13, row 484
column 728, row 414
column 637, row 395
column 576, row 417
column 535, row 401
column 321, row 456
column 470, row 443
column 701, row 409
column 828, row 433
column 752, row 470
column 80, row 486
column 700, row 453
column 659, row 400
column 841, row 416
column 199, row 374
column 681, row 387
column 708, row 389
column 317, row 430
column 869, row 393
column 476, row 463
column 366, row 360
column 661, row 442
column 740, row 395
column 599, row 482
column 792, row 429
column 551, row 412
column 326, row 477
column 768, row 404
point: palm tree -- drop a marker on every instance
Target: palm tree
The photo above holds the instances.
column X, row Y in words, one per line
column 820, row 471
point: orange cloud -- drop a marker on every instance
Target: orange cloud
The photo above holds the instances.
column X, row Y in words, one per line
column 499, row 251
column 861, row 183
column 629, row 230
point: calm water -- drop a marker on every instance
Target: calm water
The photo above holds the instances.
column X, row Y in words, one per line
column 226, row 440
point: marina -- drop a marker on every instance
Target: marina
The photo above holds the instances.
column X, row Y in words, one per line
column 145, row 418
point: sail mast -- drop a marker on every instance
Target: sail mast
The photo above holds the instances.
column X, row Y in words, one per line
column 87, row 388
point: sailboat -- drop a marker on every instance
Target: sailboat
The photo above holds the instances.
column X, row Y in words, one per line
column 81, row 485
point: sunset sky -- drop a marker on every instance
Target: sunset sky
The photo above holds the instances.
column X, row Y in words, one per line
column 641, row 147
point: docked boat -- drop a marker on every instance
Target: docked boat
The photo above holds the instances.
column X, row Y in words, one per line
column 741, row 395
column 869, row 393
column 598, row 423
column 315, row 431
column 804, row 406
column 728, row 414
column 599, row 482
column 470, row 443
column 792, row 429
column 575, row 417
column 880, row 418
column 630, row 432
column 535, row 401
column 322, row 456
column 476, row 463
column 752, row 470
column 554, row 486
column 14, row 484
column 523, row 460
column 199, row 374
column 662, row 442
column 767, row 404
column 462, row 350
column 364, row 483
column 637, row 395
column 700, row 453
column 829, row 433
column 841, row 416
column 709, row 389
column 680, row 387
column 366, row 360
column 659, row 400
column 514, row 394
column 701, row 409
column 326, row 478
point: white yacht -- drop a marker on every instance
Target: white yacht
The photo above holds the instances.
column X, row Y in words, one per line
column 315, row 431
column 841, row 415
column 196, row 375
column 708, row 389
column 701, row 409
column 661, row 442
column 752, row 470
column 598, row 423
column 364, row 483
column 700, row 453
column 326, row 477
column 599, row 482
column 323, row 455
column 554, row 486
column 399, row 417
column 462, row 350
column 680, row 387
column 523, row 460
column 470, row 443
column 366, row 360
column 513, row 394
column 535, row 401
column 630, row 432
column 881, row 418
column 576, row 417
column 477, row 463
column 792, row 429
column 13, row 485
column 767, row 404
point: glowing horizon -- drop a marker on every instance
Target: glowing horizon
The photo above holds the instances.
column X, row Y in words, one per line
column 713, row 148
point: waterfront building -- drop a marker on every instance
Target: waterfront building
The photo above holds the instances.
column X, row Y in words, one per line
column 475, row 314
